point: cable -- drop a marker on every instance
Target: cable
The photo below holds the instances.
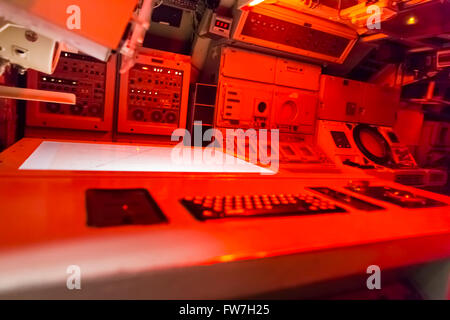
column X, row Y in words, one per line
column 158, row 4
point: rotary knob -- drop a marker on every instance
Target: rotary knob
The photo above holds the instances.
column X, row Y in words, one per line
column 94, row 110
column 53, row 107
column 156, row 116
column 171, row 117
column 76, row 109
column 138, row 115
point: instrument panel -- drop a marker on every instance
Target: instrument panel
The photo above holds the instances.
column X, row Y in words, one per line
column 91, row 80
column 286, row 30
column 294, row 110
column 402, row 198
column 266, row 92
column 154, row 94
column 294, row 35
column 247, row 104
column 376, row 148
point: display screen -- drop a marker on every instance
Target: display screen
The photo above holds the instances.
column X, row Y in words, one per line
column 222, row 24
column 373, row 144
column 340, row 139
column 72, row 156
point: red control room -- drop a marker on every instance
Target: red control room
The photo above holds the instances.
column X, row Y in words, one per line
column 225, row 149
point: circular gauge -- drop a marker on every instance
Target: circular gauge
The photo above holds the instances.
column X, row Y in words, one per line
column 94, row 110
column 138, row 114
column 76, row 109
column 156, row 116
column 287, row 112
column 171, row 117
column 53, row 107
column 372, row 144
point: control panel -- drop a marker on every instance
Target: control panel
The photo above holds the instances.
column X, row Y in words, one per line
column 220, row 25
column 265, row 92
column 248, row 104
column 294, row 35
column 354, row 101
column 402, row 198
column 248, row 65
column 91, row 80
column 153, row 94
column 375, row 148
column 244, row 104
column 294, row 110
column 299, row 152
column 401, row 155
column 291, row 31
column 340, row 139
column 364, row 144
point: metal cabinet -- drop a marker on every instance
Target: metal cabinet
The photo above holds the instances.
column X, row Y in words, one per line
column 354, row 101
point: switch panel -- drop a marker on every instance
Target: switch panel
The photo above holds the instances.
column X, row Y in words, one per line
column 244, row 104
column 294, row 35
column 154, row 93
column 279, row 28
column 91, row 80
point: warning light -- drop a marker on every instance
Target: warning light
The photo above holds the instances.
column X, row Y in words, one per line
column 411, row 20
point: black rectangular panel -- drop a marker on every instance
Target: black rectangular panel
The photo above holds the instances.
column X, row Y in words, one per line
column 116, row 207
column 398, row 197
column 206, row 94
column 167, row 15
column 340, row 139
column 204, row 114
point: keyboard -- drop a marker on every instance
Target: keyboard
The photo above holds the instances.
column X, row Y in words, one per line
column 264, row 205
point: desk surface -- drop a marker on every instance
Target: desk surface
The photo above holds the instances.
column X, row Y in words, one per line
column 43, row 231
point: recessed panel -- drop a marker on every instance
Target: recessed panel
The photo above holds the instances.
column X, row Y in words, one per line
column 121, row 207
